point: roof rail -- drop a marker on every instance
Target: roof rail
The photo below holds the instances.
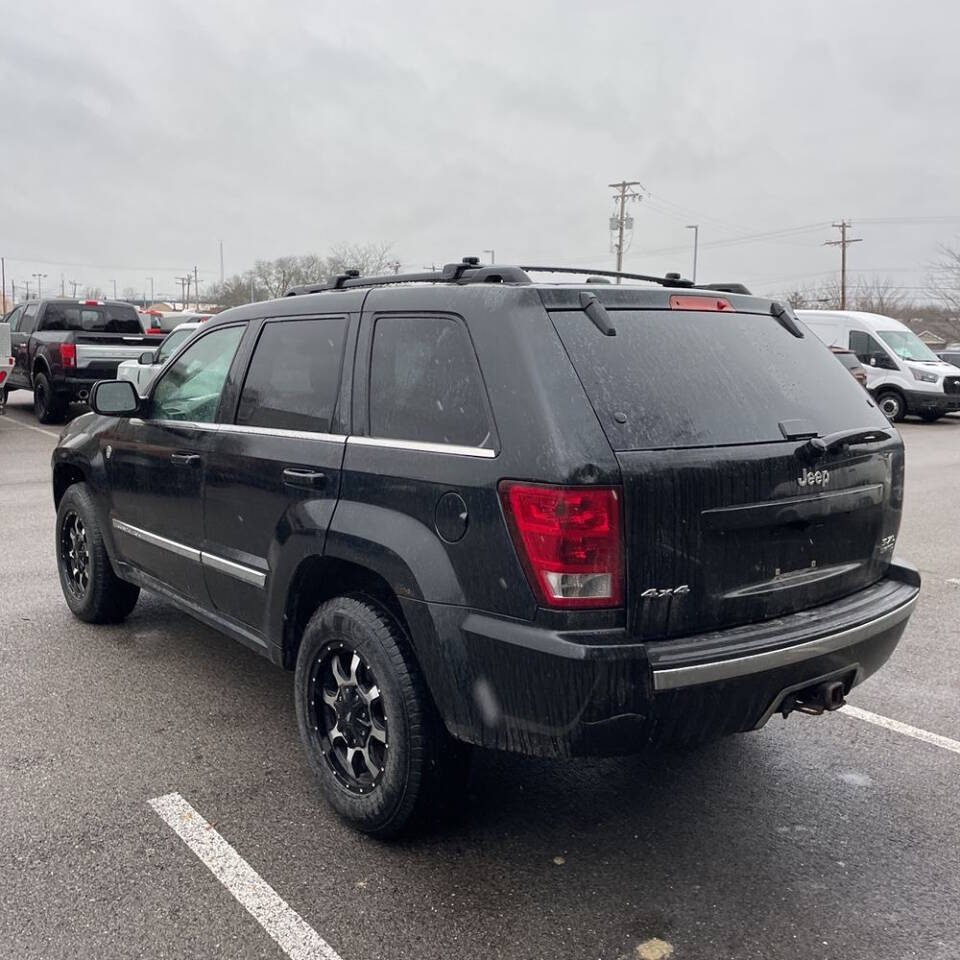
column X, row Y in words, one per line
column 670, row 280
column 470, row 270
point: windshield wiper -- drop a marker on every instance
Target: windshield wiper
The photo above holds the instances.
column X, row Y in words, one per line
column 820, row 446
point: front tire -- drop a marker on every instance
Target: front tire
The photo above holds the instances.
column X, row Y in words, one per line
column 48, row 407
column 93, row 592
column 371, row 731
column 891, row 405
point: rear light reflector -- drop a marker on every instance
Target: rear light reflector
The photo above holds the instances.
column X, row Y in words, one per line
column 68, row 354
column 3, row 375
column 569, row 542
column 700, row 303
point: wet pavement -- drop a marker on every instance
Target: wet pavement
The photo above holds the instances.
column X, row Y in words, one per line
column 815, row 837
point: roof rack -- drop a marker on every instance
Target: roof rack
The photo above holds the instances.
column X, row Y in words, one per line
column 469, row 270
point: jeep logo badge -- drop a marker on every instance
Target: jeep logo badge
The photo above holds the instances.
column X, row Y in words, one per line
column 814, row 478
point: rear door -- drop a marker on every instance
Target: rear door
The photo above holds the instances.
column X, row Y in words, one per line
column 273, row 472
column 729, row 519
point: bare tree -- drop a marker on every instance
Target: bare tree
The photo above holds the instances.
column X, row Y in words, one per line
column 371, row 259
column 944, row 278
column 880, row 295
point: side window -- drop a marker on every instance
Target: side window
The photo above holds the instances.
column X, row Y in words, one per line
column 294, row 377
column 425, row 383
column 14, row 320
column 28, row 319
column 190, row 388
column 868, row 350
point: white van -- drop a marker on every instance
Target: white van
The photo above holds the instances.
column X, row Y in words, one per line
column 903, row 373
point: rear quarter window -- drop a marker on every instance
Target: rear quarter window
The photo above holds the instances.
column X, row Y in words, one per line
column 425, row 383
column 690, row 379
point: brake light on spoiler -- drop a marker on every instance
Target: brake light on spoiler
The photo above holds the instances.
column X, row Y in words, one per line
column 683, row 302
column 569, row 542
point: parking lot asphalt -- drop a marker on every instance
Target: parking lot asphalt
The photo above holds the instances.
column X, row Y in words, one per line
column 813, row 838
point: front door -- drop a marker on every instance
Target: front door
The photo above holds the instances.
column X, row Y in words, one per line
column 273, row 472
column 21, row 326
column 155, row 464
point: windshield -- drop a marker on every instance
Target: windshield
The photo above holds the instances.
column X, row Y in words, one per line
column 172, row 344
column 908, row 346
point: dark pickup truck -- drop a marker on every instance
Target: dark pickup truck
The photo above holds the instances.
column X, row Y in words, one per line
column 63, row 347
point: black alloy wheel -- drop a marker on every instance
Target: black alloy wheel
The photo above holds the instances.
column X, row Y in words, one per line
column 349, row 717
column 75, row 555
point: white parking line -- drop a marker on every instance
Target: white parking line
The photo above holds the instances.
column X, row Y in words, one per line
column 945, row 743
column 26, row 426
column 293, row 934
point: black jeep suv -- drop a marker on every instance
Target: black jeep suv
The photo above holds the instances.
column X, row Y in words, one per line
column 468, row 508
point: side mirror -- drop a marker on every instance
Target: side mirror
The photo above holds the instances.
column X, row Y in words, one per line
column 114, row 398
column 148, row 358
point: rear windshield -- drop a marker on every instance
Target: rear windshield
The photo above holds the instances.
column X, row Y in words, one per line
column 676, row 378
column 102, row 318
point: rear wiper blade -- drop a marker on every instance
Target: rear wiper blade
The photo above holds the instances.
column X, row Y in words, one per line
column 844, row 438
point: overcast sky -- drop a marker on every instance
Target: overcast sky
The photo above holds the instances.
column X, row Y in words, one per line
column 136, row 135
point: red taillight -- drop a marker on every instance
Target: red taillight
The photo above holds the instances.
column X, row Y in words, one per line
column 3, row 375
column 68, row 354
column 155, row 330
column 699, row 303
column 569, row 541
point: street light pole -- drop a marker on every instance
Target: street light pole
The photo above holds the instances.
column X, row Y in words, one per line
column 493, row 256
column 695, row 227
column 39, row 278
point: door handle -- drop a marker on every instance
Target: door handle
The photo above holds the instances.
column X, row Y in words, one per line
column 304, row 478
column 185, row 459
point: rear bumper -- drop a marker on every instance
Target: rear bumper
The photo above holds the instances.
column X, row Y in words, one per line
column 514, row 686
column 74, row 386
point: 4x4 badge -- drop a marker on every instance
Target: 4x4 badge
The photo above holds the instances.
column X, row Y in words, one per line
column 814, row 478
column 655, row 593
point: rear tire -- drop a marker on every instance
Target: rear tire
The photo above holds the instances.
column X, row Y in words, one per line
column 371, row 731
column 892, row 405
column 48, row 407
column 93, row 592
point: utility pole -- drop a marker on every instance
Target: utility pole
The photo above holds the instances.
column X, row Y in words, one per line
column 186, row 295
column 695, row 227
column 221, row 263
column 842, row 243
column 75, row 284
column 252, row 297
column 196, row 286
column 151, row 291
column 3, row 271
column 114, row 289
column 63, row 288
column 624, row 193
